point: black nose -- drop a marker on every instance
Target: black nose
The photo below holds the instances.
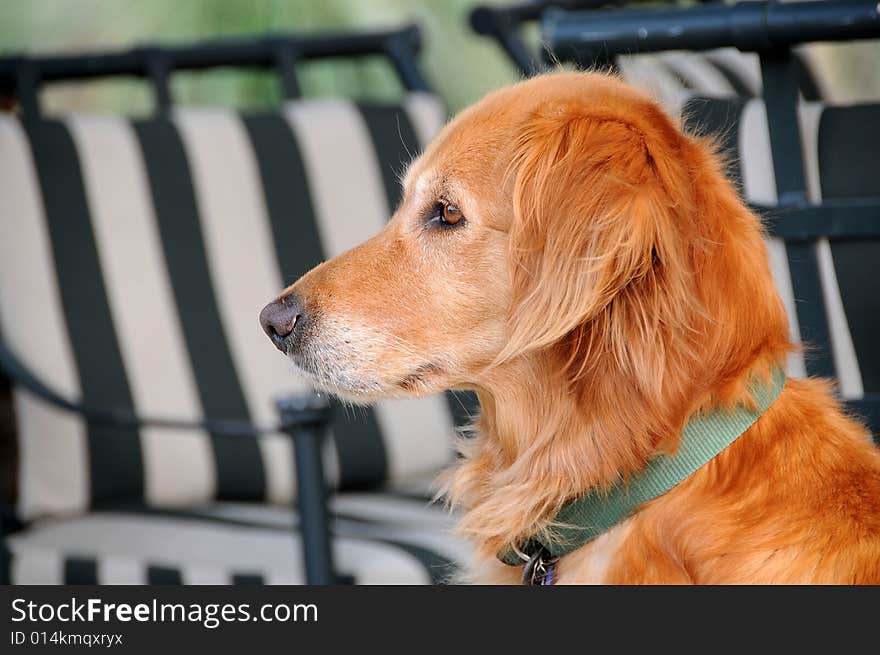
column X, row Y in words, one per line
column 281, row 320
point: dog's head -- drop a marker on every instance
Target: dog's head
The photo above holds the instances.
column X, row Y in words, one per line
column 565, row 215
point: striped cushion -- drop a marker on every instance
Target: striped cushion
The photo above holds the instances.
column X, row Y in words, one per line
column 673, row 77
column 847, row 143
column 649, row 73
column 379, row 540
column 134, row 259
column 838, row 156
column 700, row 73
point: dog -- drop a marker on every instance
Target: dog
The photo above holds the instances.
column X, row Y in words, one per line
column 568, row 251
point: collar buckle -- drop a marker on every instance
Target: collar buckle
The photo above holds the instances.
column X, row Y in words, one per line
column 540, row 570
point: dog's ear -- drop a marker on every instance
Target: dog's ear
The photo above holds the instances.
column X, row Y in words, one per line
column 593, row 215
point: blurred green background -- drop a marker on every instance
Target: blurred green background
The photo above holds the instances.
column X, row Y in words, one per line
column 461, row 65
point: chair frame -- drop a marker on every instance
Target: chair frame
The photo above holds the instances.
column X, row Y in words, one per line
column 23, row 76
column 504, row 24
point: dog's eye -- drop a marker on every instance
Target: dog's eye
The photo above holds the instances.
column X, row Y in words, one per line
column 445, row 215
column 450, row 214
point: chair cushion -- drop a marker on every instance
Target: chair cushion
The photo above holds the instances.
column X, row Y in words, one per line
column 699, row 73
column 134, row 259
column 847, row 140
column 378, row 540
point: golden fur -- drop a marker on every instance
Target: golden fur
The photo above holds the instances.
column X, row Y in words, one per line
column 606, row 283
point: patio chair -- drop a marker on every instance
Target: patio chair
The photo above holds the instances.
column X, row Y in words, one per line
column 135, row 255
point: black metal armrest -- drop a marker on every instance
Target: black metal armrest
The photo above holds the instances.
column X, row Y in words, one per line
column 21, row 375
column 582, row 37
column 306, row 418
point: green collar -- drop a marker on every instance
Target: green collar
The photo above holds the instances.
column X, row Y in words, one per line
column 705, row 435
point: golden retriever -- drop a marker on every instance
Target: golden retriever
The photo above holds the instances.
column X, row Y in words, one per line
column 566, row 250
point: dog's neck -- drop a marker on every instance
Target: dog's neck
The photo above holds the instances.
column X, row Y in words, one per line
column 542, row 440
